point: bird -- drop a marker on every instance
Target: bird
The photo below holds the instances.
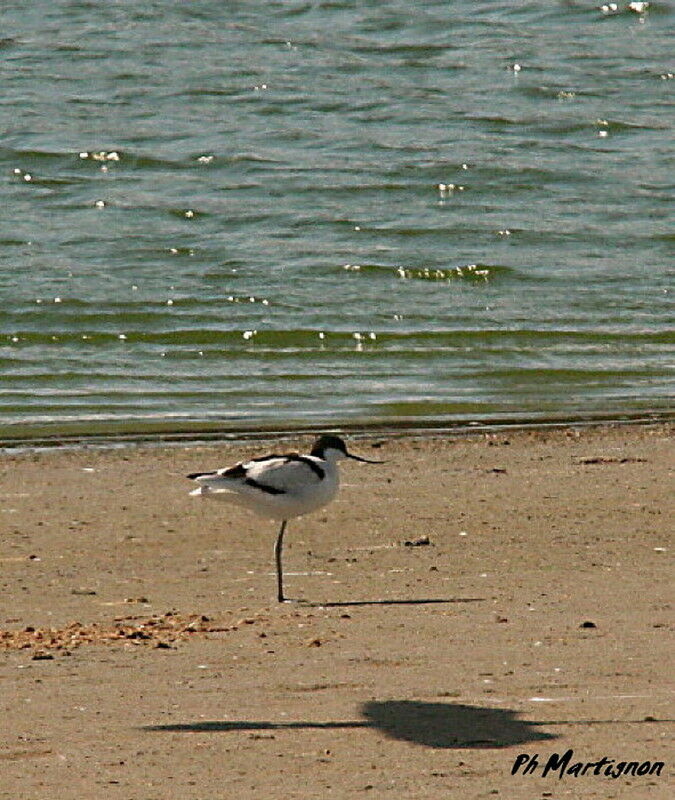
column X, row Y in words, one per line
column 280, row 487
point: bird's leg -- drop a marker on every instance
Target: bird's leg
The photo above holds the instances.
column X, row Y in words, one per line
column 277, row 555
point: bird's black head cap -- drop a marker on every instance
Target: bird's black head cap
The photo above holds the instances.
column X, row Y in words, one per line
column 328, row 442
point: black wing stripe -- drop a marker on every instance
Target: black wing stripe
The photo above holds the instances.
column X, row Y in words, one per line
column 318, row 470
column 288, row 457
column 263, row 487
column 237, row 471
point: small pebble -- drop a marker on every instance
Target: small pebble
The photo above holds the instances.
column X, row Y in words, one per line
column 423, row 540
column 42, row 655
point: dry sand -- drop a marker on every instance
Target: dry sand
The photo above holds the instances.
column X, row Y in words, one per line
column 143, row 655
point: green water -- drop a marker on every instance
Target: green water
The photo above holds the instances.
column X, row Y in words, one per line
column 229, row 217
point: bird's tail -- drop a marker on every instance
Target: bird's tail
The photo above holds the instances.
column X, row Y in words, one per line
column 211, row 483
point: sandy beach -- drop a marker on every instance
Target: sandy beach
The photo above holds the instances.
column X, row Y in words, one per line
column 477, row 598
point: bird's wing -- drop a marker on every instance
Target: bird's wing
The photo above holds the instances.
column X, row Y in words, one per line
column 284, row 474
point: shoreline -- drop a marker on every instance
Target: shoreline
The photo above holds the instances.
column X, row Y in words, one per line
column 198, row 434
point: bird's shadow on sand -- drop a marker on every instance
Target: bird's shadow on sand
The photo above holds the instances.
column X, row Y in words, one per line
column 388, row 602
column 439, row 725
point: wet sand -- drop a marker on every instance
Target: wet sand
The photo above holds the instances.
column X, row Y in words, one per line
column 143, row 655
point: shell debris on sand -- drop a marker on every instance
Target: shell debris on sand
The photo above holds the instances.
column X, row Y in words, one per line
column 159, row 630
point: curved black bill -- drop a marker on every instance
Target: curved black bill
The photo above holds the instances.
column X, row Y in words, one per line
column 365, row 460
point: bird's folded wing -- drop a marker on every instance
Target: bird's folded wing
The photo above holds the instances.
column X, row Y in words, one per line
column 283, row 474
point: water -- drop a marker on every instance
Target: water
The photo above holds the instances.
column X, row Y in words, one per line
column 274, row 214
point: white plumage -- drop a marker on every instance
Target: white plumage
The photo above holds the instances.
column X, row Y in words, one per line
column 280, row 487
column 276, row 487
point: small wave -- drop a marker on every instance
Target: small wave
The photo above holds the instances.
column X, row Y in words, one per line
column 467, row 272
column 23, row 155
